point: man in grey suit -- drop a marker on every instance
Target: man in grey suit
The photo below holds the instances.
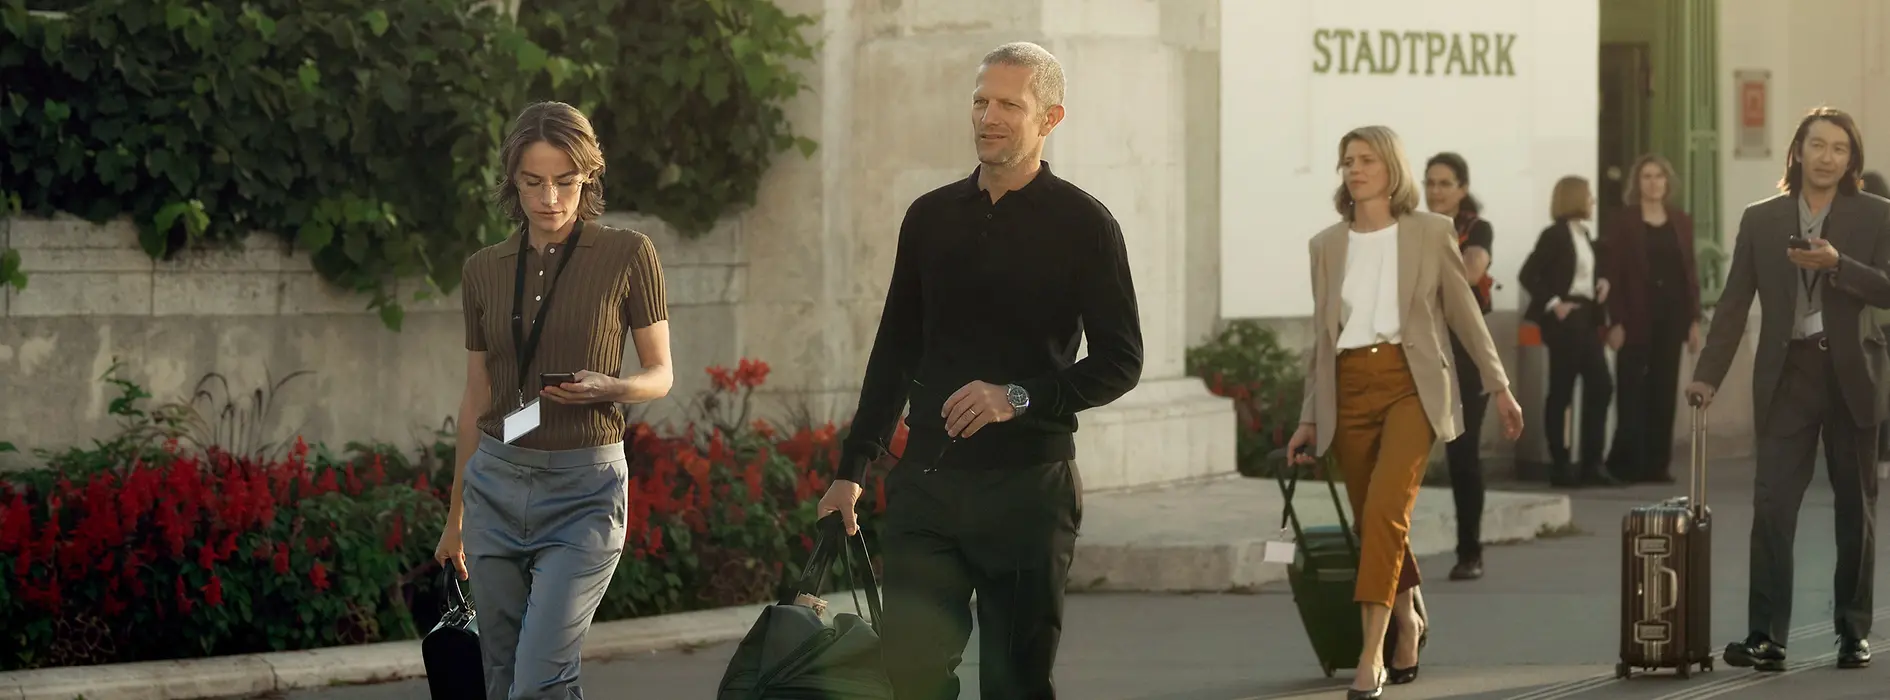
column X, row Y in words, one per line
column 1818, row 256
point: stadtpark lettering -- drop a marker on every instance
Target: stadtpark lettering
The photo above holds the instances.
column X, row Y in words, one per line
column 1389, row 52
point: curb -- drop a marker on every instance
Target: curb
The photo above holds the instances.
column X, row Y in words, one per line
column 251, row 674
column 1237, row 565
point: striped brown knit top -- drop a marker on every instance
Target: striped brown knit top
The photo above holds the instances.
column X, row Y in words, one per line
column 612, row 283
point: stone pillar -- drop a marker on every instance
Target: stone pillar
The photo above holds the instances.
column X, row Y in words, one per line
column 1125, row 141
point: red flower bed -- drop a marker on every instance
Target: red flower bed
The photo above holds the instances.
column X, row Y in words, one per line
column 203, row 553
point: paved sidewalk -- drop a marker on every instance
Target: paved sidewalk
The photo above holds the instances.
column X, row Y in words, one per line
column 1208, row 536
column 1541, row 626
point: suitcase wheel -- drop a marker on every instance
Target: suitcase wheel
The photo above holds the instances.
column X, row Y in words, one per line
column 1686, row 671
column 1621, row 670
column 1707, row 665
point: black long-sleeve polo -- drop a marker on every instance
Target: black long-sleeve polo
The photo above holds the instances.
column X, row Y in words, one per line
column 1001, row 292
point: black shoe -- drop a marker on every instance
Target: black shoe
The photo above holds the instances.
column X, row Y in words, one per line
column 1853, row 652
column 1401, row 676
column 1373, row 694
column 1467, row 570
column 1757, row 653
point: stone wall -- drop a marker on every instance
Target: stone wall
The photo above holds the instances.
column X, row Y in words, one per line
column 257, row 313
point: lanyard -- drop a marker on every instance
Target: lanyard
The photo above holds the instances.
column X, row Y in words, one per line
column 524, row 346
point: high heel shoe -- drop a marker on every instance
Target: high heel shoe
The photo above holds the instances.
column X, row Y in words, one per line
column 1373, row 694
column 1401, row 676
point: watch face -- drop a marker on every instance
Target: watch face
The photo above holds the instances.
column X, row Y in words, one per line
column 1017, row 396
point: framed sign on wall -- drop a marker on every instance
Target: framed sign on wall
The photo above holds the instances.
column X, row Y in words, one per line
column 1752, row 87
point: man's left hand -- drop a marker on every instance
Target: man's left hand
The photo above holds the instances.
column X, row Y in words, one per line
column 590, row 387
column 974, row 406
column 1820, row 256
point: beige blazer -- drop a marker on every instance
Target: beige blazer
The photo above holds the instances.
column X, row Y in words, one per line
column 1437, row 300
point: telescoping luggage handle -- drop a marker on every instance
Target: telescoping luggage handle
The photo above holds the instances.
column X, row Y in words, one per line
column 1696, row 466
column 831, row 541
column 1289, row 483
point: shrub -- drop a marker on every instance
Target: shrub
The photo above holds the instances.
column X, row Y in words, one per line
column 199, row 552
column 366, row 132
column 674, row 67
column 363, row 131
column 1245, row 362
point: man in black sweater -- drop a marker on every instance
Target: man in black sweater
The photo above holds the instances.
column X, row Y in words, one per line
column 997, row 279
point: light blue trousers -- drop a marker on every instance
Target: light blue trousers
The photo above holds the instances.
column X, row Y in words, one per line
column 543, row 532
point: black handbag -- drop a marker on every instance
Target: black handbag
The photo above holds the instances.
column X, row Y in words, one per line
column 455, row 669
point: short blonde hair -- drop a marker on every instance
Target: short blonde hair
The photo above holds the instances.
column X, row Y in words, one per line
column 1571, row 197
column 1631, row 195
column 1402, row 190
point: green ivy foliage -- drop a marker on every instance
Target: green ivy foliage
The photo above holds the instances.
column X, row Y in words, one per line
column 690, row 109
column 366, row 132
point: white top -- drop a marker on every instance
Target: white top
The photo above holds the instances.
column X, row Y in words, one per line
column 1369, row 310
column 1583, row 284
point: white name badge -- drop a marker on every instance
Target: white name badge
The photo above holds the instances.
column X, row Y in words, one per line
column 1812, row 324
column 521, row 421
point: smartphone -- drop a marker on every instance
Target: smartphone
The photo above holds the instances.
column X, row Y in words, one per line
column 1798, row 242
column 556, row 378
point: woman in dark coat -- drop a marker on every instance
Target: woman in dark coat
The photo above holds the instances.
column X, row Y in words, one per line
column 1655, row 308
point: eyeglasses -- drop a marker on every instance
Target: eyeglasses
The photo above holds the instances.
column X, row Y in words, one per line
column 561, row 188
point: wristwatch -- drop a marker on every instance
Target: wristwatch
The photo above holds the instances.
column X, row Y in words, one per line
column 1018, row 398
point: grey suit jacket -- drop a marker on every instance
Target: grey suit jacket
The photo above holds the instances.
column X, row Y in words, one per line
column 1437, row 300
column 1859, row 227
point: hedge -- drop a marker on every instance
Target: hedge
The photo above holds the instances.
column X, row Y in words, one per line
column 366, row 132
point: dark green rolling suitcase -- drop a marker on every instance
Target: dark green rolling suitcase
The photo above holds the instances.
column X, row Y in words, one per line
column 1324, row 576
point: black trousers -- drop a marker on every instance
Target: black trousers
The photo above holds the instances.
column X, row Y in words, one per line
column 1575, row 351
column 1009, row 535
column 1465, row 455
column 1809, row 404
column 1647, row 380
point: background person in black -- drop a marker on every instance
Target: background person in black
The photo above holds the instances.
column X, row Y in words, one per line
column 1567, row 289
column 1654, row 303
column 997, row 279
column 1447, row 192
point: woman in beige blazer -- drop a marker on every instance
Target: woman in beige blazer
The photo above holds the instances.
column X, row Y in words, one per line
column 1388, row 289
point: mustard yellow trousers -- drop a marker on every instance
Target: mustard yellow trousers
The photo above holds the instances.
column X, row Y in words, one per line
column 1382, row 445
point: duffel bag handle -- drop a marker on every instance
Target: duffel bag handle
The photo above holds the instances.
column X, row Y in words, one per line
column 831, row 542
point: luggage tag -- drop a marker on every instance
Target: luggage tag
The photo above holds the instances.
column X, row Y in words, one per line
column 1280, row 549
column 817, row 605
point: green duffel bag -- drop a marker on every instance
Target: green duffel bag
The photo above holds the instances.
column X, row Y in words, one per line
column 793, row 654
column 1324, row 575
